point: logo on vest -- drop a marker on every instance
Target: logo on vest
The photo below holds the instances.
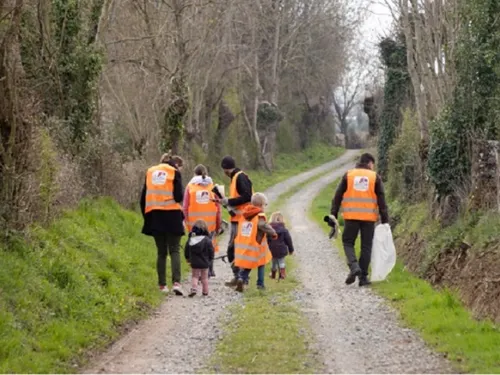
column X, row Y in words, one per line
column 202, row 197
column 246, row 229
column 159, row 177
column 361, row 183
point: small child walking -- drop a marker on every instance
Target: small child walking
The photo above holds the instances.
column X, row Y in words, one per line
column 281, row 246
column 199, row 253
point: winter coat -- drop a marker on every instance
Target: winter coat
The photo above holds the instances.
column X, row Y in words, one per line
column 283, row 245
column 199, row 251
column 160, row 222
column 199, row 180
column 243, row 187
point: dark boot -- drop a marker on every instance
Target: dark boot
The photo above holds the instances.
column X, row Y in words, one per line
column 282, row 273
column 355, row 272
column 239, row 285
column 363, row 280
column 273, row 274
column 231, row 283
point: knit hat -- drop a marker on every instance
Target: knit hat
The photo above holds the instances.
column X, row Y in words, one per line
column 228, row 163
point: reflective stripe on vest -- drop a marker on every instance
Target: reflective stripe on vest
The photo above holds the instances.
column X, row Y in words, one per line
column 160, row 189
column 248, row 253
column 201, row 206
column 233, row 193
column 360, row 201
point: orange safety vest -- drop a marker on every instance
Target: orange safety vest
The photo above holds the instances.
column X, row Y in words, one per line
column 360, row 201
column 233, row 193
column 248, row 252
column 201, row 207
column 160, row 189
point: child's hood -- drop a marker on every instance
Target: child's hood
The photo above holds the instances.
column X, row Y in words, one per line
column 195, row 240
column 279, row 227
column 251, row 211
column 199, row 180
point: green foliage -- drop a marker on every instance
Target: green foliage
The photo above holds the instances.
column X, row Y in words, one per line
column 63, row 62
column 405, row 177
column 438, row 315
column 268, row 114
column 69, row 289
column 396, row 96
column 473, row 111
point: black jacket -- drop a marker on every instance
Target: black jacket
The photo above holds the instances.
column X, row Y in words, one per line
column 243, row 187
column 158, row 222
column 379, row 191
column 283, row 245
column 199, row 251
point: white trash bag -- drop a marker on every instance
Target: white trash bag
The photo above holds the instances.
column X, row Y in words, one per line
column 383, row 253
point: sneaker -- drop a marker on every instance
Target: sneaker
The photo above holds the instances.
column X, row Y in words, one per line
column 205, row 294
column 231, row 283
column 164, row 289
column 261, row 287
column 239, row 285
column 177, row 289
column 192, row 293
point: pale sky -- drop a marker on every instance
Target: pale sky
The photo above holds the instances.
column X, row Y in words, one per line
column 377, row 24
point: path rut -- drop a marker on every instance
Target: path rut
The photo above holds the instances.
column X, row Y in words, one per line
column 355, row 330
column 183, row 332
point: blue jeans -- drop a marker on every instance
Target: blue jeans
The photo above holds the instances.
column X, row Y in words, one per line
column 245, row 273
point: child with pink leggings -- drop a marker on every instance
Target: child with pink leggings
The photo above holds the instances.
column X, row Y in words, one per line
column 199, row 253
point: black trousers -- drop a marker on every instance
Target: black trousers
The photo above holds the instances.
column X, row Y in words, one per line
column 168, row 244
column 230, row 247
column 351, row 230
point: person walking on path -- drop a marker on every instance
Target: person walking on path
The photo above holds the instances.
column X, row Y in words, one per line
column 281, row 246
column 198, row 204
column 250, row 243
column 163, row 218
column 199, row 253
column 361, row 197
column 240, row 195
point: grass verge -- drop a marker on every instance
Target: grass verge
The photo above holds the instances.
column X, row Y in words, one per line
column 258, row 337
column 68, row 289
column 439, row 316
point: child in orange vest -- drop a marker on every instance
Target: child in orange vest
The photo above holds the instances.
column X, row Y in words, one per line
column 199, row 253
column 251, row 249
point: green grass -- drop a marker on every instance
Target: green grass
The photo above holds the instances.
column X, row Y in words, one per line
column 262, row 334
column 74, row 284
column 439, row 316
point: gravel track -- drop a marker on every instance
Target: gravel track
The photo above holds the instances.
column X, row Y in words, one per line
column 355, row 330
column 182, row 334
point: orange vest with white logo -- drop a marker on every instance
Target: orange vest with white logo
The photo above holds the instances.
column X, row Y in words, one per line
column 233, row 193
column 248, row 252
column 160, row 189
column 201, row 206
column 360, row 201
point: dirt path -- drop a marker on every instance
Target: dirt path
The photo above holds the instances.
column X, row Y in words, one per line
column 183, row 332
column 356, row 332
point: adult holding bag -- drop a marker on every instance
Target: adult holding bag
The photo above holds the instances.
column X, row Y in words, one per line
column 361, row 197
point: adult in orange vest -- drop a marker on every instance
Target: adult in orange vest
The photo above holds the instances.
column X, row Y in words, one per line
column 199, row 204
column 360, row 196
column 251, row 246
column 163, row 218
column 240, row 195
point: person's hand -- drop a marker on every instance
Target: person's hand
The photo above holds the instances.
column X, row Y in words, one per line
column 274, row 236
column 224, row 201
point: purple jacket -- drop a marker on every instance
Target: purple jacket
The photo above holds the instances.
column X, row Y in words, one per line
column 283, row 245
